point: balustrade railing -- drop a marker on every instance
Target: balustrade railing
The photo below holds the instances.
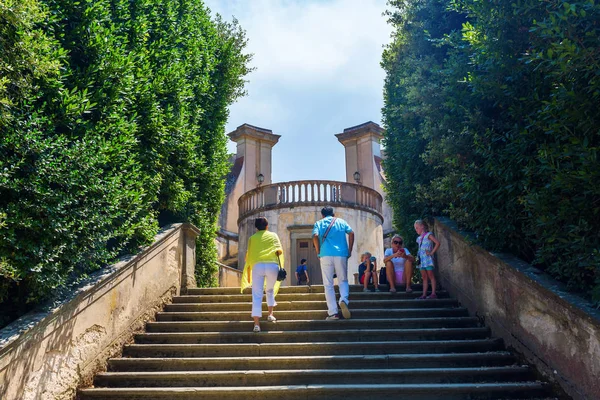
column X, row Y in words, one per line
column 307, row 193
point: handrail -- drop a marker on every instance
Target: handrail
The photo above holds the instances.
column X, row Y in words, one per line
column 309, row 193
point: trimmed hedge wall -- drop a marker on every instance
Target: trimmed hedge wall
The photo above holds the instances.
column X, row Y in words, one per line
column 112, row 117
column 491, row 111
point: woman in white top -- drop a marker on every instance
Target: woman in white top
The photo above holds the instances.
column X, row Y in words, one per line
column 399, row 264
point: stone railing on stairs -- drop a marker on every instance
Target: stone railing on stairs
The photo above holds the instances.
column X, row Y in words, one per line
column 309, row 193
column 48, row 354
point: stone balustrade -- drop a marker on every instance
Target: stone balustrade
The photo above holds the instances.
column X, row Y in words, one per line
column 309, row 193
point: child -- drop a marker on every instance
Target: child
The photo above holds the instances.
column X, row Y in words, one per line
column 428, row 245
column 302, row 273
column 367, row 271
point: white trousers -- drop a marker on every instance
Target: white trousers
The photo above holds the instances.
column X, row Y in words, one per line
column 260, row 272
column 339, row 266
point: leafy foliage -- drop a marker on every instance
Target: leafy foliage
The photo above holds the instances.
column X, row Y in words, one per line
column 112, row 116
column 491, row 117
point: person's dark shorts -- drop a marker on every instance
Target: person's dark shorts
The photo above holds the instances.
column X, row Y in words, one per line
column 302, row 280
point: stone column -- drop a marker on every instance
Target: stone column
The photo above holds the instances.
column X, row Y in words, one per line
column 363, row 155
column 253, row 158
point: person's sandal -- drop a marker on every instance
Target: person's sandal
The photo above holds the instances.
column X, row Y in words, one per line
column 409, row 290
column 392, row 290
column 432, row 296
column 256, row 328
column 421, row 297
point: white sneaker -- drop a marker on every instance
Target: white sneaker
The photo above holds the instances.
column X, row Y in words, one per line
column 271, row 318
column 256, row 328
column 345, row 310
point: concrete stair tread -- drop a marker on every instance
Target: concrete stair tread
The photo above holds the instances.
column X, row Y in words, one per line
column 313, row 348
column 284, row 332
column 511, row 368
column 258, row 377
column 309, row 324
column 353, row 391
column 343, row 335
column 297, row 305
column 208, row 298
column 314, row 314
column 349, row 343
column 296, row 289
column 496, row 358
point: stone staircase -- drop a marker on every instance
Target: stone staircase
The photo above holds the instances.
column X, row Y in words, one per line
column 395, row 346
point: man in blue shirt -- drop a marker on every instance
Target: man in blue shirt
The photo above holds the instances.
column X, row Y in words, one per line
column 329, row 238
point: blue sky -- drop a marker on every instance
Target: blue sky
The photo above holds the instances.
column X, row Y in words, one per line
column 317, row 72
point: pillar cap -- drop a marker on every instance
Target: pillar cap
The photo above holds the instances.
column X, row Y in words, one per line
column 254, row 132
column 358, row 131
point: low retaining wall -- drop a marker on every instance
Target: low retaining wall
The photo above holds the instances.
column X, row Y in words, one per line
column 229, row 277
column 556, row 331
column 48, row 354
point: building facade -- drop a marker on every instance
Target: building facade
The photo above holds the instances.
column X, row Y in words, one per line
column 293, row 207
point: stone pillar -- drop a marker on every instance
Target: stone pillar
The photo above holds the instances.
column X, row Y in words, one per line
column 253, row 158
column 363, row 152
column 254, row 145
column 188, row 276
column 363, row 155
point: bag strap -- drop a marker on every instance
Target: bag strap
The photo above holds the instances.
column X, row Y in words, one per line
column 328, row 229
column 279, row 261
column 422, row 237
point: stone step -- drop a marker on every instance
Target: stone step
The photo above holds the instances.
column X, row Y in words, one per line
column 343, row 335
column 308, row 325
column 311, row 348
column 424, row 360
column 314, row 305
column 239, row 298
column 446, row 391
column 313, row 377
column 315, row 314
column 290, row 289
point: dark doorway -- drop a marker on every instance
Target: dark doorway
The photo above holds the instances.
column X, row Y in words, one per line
column 306, row 249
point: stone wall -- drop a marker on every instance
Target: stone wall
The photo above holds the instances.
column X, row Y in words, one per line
column 229, row 277
column 556, row 331
column 50, row 353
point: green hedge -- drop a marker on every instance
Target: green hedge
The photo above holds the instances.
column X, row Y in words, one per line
column 491, row 111
column 112, row 117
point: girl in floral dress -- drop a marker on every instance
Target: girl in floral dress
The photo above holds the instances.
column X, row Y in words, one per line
column 428, row 245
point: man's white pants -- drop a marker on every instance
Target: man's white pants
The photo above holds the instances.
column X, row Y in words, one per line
column 339, row 266
column 260, row 272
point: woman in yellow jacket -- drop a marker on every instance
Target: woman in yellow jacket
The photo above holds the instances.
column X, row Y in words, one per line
column 262, row 264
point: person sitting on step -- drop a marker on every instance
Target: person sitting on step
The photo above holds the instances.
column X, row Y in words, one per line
column 367, row 271
column 398, row 264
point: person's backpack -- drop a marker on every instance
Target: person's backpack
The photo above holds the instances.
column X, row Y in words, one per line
column 383, row 277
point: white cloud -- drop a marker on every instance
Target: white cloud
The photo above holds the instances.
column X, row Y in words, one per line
column 334, row 42
column 317, row 72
